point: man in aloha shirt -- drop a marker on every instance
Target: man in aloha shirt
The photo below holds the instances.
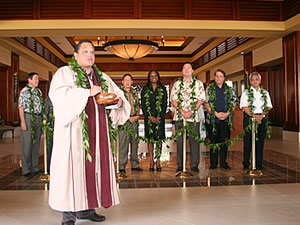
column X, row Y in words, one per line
column 183, row 89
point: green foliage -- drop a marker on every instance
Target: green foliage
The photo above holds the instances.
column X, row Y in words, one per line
column 31, row 109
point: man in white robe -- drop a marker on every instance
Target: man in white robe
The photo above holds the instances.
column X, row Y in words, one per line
column 78, row 186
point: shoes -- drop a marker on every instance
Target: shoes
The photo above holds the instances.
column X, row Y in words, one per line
column 122, row 171
column 151, row 169
column 261, row 168
column 37, row 172
column 212, row 167
column 246, row 168
column 138, row 169
column 179, row 168
column 94, row 217
column 195, row 169
column 27, row 174
column 226, row 167
column 158, row 169
column 68, row 223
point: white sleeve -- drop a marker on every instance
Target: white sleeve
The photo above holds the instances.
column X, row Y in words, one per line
column 68, row 100
column 244, row 99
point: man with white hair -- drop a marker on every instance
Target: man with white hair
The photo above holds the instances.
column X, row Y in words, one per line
column 256, row 102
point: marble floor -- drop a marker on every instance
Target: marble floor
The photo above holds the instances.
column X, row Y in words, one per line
column 208, row 197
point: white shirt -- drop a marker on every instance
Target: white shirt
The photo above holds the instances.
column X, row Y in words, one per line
column 258, row 100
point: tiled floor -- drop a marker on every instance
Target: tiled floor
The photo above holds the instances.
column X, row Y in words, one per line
column 208, row 197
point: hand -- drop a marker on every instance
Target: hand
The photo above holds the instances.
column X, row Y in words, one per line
column 95, row 90
column 120, row 102
column 152, row 119
column 23, row 126
column 258, row 118
column 132, row 119
column 222, row 115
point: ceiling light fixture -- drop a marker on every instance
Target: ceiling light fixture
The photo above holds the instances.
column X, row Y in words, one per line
column 131, row 49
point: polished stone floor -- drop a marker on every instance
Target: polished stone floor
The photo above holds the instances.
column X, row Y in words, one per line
column 281, row 161
column 210, row 197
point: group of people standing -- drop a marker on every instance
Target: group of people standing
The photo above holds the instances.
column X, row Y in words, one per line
column 82, row 167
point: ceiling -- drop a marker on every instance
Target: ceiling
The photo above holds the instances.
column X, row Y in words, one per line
column 168, row 45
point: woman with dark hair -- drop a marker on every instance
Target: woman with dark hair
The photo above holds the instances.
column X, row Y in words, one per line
column 154, row 105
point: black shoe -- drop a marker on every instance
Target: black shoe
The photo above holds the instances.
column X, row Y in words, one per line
column 226, row 167
column 158, row 169
column 68, row 223
column 261, row 168
column 122, row 171
column 39, row 172
column 151, row 169
column 195, row 169
column 27, row 174
column 179, row 168
column 212, row 167
column 246, row 168
column 94, row 217
column 139, row 169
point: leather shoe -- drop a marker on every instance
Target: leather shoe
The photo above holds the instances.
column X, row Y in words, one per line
column 226, row 167
column 246, row 168
column 139, row 169
column 195, row 169
column 179, row 168
column 94, row 217
column 27, row 174
column 68, row 223
column 122, row 171
column 212, row 167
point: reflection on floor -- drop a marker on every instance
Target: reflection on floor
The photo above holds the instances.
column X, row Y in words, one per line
column 210, row 197
column 281, row 163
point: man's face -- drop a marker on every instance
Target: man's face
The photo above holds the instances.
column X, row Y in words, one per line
column 255, row 81
column 219, row 78
column 85, row 56
column 187, row 70
column 127, row 82
column 34, row 82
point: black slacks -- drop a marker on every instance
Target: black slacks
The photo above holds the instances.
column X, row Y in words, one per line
column 221, row 134
column 259, row 144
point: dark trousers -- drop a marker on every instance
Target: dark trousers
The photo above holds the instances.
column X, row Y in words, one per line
column 194, row 145
column 259, row 144
column 71, row 216
column 221, row 134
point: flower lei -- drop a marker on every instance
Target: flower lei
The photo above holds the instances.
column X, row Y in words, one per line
column 194, row 102
column 266, row 108
column 49, row 126
column 82, row 82
column 126, row 127
column 212, row 98
column 31, row 109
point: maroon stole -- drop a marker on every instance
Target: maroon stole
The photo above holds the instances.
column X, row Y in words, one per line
column 90, row 168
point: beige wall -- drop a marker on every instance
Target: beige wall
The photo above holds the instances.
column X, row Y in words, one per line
column 28, row 65
column 230, row 67
column 268, row 52
column 5, row 56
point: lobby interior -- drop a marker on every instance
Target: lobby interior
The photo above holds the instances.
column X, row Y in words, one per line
column 267, row 39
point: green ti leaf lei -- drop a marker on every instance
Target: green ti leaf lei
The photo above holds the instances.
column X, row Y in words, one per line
column 31, row 109
column 148, row 94
column 49, row 127
column 82, row 82
column 212, row 98
column 266, row 108
column 193, row 97
column 126, row 127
